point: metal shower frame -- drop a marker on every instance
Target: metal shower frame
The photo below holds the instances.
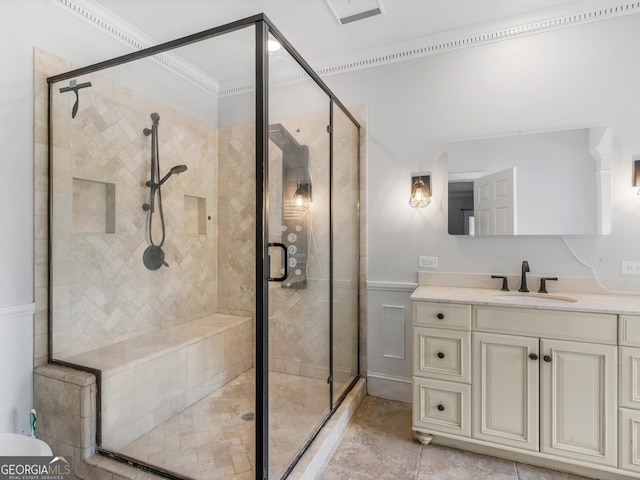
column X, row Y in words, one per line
column 263, row 27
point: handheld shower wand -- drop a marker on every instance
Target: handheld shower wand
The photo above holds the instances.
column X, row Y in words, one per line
column 153, row 257
column 177, row 169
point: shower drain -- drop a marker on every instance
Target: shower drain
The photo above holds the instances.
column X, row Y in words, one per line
column 248, row 416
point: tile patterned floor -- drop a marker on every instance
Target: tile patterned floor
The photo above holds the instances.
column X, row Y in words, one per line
column 378, row 444
column 211, row 440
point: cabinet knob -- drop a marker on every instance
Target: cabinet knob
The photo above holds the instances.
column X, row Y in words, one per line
column 440, row 316
column 533, row 356
column 440, row 355
column 547, row 358
column 440, row 407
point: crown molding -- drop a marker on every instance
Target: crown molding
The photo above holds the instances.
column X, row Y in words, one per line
column 592, row 11
column 476, row 35
column 102, row 19
column 449, row 41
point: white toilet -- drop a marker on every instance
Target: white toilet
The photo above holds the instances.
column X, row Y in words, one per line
column 15, row 445
column 16, row 371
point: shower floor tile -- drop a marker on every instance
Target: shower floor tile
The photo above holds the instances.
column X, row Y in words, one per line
column 212, row 440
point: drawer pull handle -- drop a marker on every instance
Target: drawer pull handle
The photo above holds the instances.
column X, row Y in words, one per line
column 547, row 358
column 533, row 356
column 440, row 316
column 440, row 407
column 440, row 355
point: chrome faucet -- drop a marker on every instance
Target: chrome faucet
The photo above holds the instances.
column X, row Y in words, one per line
column 523, row 280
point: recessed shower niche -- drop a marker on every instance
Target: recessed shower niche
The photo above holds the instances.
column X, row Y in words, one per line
column 94, row 206
column 195, row 215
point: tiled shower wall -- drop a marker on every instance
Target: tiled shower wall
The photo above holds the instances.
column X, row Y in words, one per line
column 103, row 293
column 233, row 292
column 236, row 220
column 298, row 320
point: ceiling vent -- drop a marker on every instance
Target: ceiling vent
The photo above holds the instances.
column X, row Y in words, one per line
column 348, row 11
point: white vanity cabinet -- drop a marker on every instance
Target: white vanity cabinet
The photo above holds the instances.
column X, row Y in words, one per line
column 542, row 381
column 629, row 415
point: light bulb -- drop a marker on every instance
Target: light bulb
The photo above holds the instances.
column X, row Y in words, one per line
column 420, row 194
column 302, row 197
column 273, row 45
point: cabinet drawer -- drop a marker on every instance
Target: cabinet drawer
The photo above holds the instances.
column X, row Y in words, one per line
column 629, row 377
column 629, row 331
column 442, row 354
column 442, row 406
column 563, row 325
column 442, row 315
column 630, row 440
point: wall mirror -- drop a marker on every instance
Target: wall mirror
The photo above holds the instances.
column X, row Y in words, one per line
column 546, row 183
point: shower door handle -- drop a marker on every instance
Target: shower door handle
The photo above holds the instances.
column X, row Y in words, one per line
column 286, row 262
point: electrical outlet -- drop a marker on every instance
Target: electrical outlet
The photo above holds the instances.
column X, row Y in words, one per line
column 630, row 268
column 428, row 262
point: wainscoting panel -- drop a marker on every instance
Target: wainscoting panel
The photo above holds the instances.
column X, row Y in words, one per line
column 393, row 327
column 389, row 346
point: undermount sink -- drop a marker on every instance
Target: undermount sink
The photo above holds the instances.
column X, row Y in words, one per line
column 541, row 298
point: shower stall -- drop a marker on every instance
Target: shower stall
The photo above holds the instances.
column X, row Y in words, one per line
column 218, row 308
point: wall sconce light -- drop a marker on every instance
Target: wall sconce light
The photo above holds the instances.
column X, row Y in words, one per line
column 636, row 174
column 302, row 197
column 420, row 190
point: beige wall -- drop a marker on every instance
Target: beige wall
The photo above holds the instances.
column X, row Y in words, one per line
column 103, row 293
column 101, row 159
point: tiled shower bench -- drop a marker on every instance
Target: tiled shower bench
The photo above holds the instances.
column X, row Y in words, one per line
column 150, row 378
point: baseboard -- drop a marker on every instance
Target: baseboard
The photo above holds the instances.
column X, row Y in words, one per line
column 389, row 387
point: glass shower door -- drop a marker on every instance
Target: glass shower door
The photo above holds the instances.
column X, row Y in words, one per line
column 346, row 251
column 298, row 235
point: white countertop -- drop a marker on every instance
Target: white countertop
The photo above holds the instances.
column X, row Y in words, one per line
column 584, row 302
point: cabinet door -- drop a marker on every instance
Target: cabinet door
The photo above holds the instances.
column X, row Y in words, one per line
column 578, row 394
column 629, row 377
column 505, row 389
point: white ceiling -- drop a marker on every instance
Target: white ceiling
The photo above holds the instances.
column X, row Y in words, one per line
column 312, row 28
column 404, row 29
